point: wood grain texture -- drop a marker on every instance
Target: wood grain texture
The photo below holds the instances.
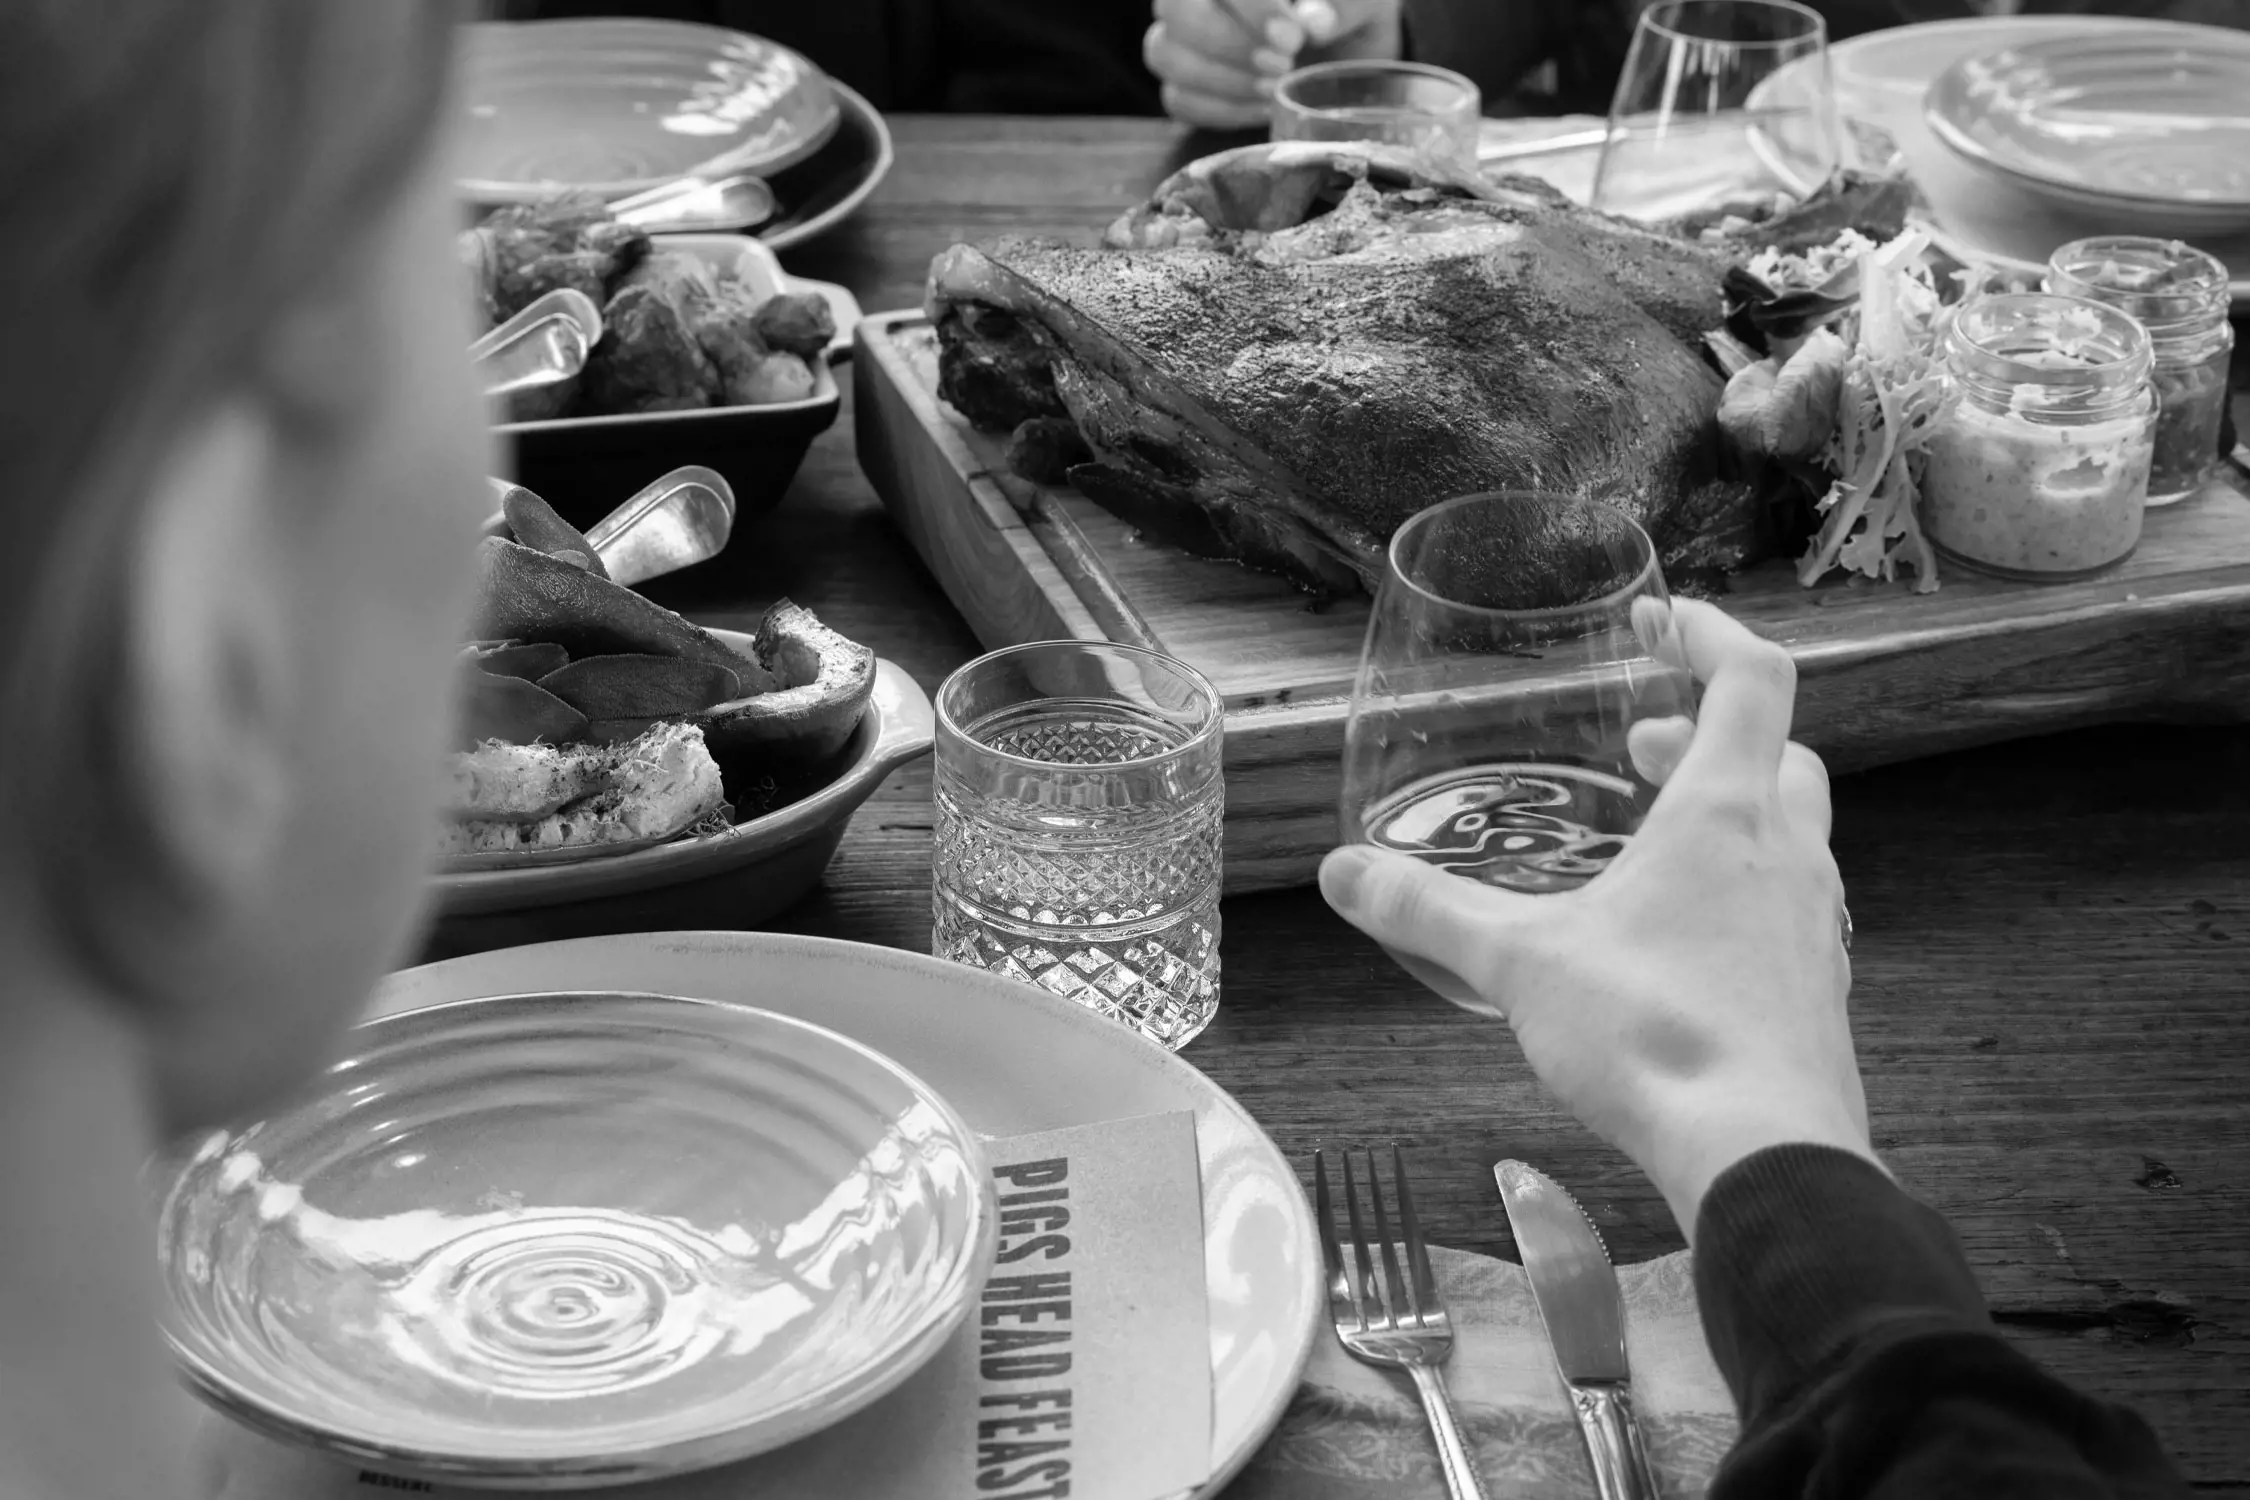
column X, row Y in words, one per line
column 2052, row 969
column 1884, row 674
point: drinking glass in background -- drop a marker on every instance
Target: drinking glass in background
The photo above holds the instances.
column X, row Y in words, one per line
column 1722, row 105
column 1078, row 811
column 1430, row 110
column 1508, row 655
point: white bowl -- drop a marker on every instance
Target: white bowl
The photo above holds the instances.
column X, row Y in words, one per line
column 2149, row 129
column 563, row 1240
column 616, row 106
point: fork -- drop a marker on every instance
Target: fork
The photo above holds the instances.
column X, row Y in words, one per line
column 1393, row 1319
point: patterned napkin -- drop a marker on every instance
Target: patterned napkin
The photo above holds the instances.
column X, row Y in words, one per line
column 1356, row 1432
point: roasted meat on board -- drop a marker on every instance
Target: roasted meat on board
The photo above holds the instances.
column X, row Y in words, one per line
column 1291, row 348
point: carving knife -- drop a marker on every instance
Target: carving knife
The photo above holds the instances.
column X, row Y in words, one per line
column 1576, row 1289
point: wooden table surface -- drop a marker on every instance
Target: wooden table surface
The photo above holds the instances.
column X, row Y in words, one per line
column 2053, row 935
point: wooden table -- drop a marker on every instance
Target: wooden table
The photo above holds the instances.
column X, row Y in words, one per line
column 2053, row 936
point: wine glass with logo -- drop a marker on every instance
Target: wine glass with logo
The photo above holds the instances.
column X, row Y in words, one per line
column 1509, row 654
column 1722, row 106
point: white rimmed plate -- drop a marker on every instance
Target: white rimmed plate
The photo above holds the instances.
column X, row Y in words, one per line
column 559, row 1240
column 614, row 107
column 1880, row 79
column 1012, row 1059
column 2149, row 128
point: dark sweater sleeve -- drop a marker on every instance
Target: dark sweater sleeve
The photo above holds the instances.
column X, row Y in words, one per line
column 1864, row 1364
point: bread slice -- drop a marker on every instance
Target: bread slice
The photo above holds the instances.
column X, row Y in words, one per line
column 522, row 783
column 649, row 788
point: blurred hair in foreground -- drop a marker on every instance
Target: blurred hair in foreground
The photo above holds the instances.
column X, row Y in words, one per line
column 178, row 175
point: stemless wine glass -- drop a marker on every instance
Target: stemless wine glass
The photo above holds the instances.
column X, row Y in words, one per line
column 1431, row 110
column 1722, row 104
column 1507, row 658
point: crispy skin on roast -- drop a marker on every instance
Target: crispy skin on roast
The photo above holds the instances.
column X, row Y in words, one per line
column 1291, row 349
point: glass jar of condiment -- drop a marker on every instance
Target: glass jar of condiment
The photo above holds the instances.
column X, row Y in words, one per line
column 2039, row 468
column 2180, row 294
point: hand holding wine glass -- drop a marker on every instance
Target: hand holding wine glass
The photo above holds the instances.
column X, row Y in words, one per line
column 1689, row 1004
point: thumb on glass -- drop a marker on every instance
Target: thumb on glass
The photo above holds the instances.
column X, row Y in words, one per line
column 1419, row 909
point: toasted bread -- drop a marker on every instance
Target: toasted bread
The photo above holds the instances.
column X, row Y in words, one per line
column 514, row 798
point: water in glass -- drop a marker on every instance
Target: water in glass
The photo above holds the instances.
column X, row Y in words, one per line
column 1078, row 832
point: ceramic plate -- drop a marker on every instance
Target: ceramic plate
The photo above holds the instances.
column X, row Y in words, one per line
column 828, row 187
column 2146, row 126
column 1012, row 1059
column 613, row 107
column 896, row 728
column 1880, row 80
column 558, row 1240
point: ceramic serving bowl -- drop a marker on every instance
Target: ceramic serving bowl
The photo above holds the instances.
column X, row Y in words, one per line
column 580, row 465
column 2149, row 129
column 565, row 1240
column 735, row 879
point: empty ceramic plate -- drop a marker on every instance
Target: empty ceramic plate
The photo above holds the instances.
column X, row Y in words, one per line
column 615, row 107
column 2151, row 128
column 564, row 1240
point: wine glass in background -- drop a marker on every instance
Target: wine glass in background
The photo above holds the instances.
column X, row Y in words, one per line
column 1507, row 658
column 1722, row 104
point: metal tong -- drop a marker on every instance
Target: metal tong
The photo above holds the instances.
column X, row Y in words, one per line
column 678, row 521
column 545, row 343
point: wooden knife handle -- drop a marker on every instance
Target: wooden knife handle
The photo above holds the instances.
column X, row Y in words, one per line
column 1613, row 1442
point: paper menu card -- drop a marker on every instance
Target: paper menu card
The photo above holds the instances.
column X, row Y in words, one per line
column 1083, row 1370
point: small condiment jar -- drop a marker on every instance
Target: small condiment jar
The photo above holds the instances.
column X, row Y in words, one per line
column 2039, row 467
column 2180, row 294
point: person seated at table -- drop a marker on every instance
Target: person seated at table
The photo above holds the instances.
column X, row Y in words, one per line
column 1689, row 1007
column 241, row 453
column 1017, row 57
column 1217, row 59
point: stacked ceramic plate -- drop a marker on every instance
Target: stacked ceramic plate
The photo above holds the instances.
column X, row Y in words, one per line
column 568, row 1239
column 2149, row 129
column 2132, row 128
column 547, row 1226
column 621, row 108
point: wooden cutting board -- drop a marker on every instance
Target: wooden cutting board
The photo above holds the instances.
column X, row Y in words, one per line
column 1884, row 674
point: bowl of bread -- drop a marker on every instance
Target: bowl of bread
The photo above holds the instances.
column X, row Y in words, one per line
column 611, row 752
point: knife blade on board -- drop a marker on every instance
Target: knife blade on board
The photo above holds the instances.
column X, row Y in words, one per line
column 1584, row 1313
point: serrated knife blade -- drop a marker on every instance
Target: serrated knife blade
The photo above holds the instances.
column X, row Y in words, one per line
column 1584, row 1314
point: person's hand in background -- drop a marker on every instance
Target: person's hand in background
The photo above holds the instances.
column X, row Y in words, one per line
column 1689, row 1003
column 1218, row 59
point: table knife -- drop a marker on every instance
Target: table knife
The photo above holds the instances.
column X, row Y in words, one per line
column 1576, row 1289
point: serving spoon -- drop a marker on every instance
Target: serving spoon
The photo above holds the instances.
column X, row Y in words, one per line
column 545, row 343
column 681, row 519
column 692, row 205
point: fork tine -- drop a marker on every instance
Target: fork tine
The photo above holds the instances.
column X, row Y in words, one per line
column 1325, row 1212
column 1394, row 1285
column 1421, row 1281
column 1363, row 1285
column 1342, row 1287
